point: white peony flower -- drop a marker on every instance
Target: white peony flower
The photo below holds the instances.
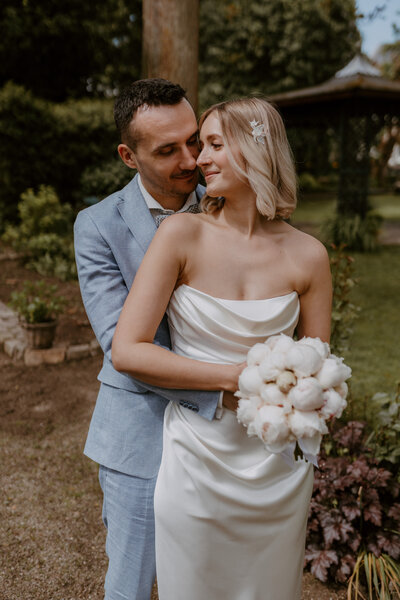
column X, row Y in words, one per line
column 286, row 380
column 283, row 343
column 257, row 354
column 333, row 372
column 272, row 341
column 305, row 424
column 250, row 381
column 268, row 370
column 247, row 409
column 342, row 389
column 303, row 360
column 321, row 347
column 334, row 404
column 274, row 429
column 271, row 394
column 307, row 394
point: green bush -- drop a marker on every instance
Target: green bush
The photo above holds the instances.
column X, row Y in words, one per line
column 344, row 312
column 44, row 235
column 358, row 234
column 49, row 143
column 308, row 183
column 100, row 181
column 384, row 413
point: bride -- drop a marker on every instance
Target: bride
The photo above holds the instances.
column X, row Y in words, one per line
column 230, row 516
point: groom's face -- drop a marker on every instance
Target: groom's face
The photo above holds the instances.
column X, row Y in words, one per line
column 166, row 150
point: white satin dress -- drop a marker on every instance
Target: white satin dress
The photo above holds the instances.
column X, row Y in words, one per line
column 230, row 517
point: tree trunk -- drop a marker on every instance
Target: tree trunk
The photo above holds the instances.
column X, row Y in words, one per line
column 171, row 43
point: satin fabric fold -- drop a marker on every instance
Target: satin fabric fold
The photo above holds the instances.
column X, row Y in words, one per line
column 230, row 517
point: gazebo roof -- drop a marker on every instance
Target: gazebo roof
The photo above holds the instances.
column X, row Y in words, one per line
column 358, row 80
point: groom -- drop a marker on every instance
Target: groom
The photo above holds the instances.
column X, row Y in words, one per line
column 158, row 131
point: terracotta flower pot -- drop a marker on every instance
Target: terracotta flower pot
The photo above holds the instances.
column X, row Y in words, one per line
column 40, row 335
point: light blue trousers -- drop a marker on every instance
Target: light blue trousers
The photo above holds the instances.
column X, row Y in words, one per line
column 128, row 514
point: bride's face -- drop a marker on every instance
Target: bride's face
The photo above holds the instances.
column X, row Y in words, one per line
column 221, row 177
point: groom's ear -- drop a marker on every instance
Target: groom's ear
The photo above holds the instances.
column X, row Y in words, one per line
column 127, row 155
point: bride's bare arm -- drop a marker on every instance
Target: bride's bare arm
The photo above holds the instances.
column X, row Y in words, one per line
column 316, row 299
column 133, row 350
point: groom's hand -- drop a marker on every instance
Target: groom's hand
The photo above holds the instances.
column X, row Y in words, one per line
column 230, row 401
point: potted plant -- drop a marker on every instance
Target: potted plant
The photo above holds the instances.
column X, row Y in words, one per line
column 38, row 306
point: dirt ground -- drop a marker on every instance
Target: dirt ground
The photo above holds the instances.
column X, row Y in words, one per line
column 51, row 534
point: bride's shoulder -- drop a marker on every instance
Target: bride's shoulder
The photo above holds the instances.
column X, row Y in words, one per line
column 305, row 246
column 182, row 224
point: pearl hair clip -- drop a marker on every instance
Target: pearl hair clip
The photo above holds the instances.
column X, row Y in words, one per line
column 258, row 131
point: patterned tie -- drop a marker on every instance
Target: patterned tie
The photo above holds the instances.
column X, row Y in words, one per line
column 159, row 215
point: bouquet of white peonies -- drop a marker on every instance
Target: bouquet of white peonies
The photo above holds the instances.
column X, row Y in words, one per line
column 288, row 391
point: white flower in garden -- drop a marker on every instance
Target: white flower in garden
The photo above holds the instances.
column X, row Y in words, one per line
column 303, row 360
column 257, row 354
column 334, row 404
column 342, row 389
column 274, row 430
column 286, row 380
column 333, row 372
column 321, row 347
column 247, row 409
column 307, row 394
column 250, row 381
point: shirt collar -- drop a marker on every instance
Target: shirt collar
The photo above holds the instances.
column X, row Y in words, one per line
column 153, row 204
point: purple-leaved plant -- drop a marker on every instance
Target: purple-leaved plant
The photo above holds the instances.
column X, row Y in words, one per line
column 355, row 506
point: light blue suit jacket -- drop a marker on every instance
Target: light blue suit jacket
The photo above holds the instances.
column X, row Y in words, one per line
column 111, row 239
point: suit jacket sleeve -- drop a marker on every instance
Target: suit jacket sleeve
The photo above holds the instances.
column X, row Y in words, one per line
column 104, row 292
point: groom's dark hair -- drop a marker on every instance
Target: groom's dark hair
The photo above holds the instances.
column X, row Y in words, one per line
column 144, row 92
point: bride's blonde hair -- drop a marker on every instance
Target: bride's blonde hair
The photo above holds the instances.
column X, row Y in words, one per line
column 268, row 167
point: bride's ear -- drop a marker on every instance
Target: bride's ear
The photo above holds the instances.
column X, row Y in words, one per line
column 127, row 155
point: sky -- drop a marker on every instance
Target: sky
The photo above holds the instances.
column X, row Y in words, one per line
column 379, row 31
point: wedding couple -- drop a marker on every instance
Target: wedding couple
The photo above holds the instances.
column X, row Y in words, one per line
column 226, row 520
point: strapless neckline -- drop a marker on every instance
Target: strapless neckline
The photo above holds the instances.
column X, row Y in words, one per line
column 188, row 287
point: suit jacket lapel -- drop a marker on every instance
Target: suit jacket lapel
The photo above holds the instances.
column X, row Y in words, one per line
column 134, row 211
column 136, row 214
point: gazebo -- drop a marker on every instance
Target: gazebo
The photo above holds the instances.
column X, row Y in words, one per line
column 357, row 102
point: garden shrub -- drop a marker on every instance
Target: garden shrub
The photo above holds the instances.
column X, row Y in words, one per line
column 102, row 180
column 355, row 507
column 357, row 233
column 344, row 312
column 44, row 235
column 384, row 440
column 307, row 182
column 49, row 143
column 28, row 146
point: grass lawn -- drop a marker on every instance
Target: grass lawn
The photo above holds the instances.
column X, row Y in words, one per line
column 374, row 352
column 316, row 208
column 374, row 349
